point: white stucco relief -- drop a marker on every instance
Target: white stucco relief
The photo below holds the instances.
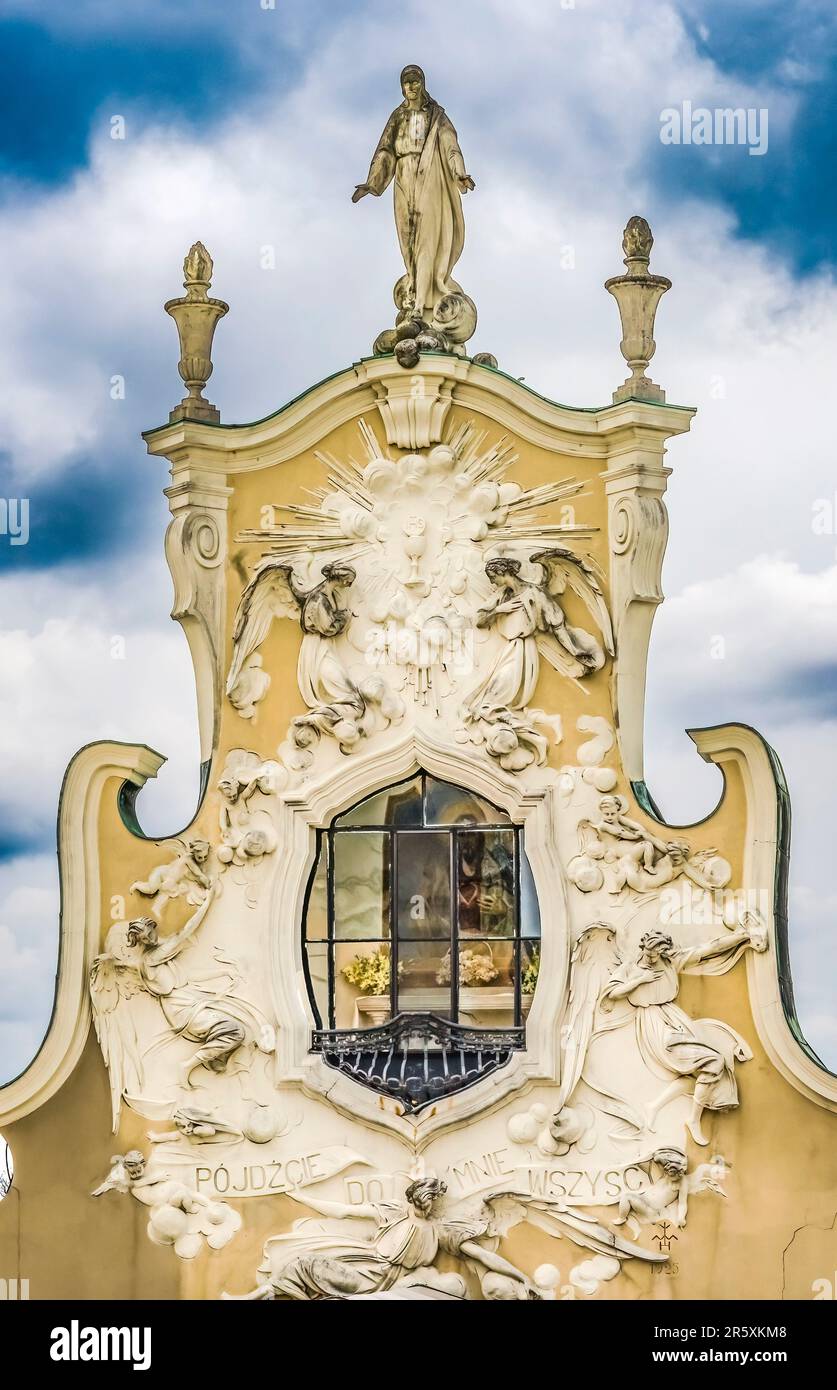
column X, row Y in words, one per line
column 428, row 588
column 429, row 591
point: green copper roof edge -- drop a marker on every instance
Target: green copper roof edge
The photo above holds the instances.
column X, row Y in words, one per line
column 496, row 371
column 126, row 804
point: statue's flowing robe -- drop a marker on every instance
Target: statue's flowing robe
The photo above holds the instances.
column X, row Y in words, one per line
column 308, row 1263
column 525, row 620
column 419, row 149
column 672, row 1043
column 204, row 1007
column 510, row 684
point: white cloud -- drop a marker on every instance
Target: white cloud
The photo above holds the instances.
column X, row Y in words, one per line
column 765, row 631
column 27, row 950
column 65, row 682
column 777, row 672
column 558, row 115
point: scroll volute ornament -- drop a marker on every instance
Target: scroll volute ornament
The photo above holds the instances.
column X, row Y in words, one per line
column 196, row 316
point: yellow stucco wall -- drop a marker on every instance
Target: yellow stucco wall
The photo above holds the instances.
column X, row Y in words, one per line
column 771, row 1238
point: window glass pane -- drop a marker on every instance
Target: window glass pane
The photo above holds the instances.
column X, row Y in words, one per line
column 399, row 805
column 486, row 983
column 530, row 915
column 449, row 805
column 530, row 964
column 361, row 985
column 436, row 861
column 317, row 958
column 423, row 869
column 361, row 885
column 316, row 912
column 424, row 977
column 485, row 883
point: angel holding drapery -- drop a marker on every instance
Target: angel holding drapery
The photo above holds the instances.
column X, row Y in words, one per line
column 638, row 994
column 338, row 705
column 529, row 617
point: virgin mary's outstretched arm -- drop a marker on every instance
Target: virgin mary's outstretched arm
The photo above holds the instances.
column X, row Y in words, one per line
column 382, row 168
column 449, row 145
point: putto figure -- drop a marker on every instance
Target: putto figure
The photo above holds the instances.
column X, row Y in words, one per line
column 667, row 1198
column 184, row 876
column 420, row 151
column 178, row 1215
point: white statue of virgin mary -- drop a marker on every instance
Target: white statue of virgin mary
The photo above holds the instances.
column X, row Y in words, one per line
column 420, row 151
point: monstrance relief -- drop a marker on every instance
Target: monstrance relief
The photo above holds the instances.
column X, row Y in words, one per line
column 429, row 588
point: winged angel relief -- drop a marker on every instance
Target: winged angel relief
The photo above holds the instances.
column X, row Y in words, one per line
column 428, row 582
column 624, row 1021
column 205, row 1012
column 388, row 1249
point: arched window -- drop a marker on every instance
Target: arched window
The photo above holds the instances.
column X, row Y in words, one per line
column 421, row 940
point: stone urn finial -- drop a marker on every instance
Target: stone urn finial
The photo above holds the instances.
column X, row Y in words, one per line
column 196, row 316
column 638, row 293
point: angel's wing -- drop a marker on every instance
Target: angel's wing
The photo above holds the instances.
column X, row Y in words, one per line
column 117, row 1179
column 111, row 984
column 585, row 1231
column 559, row 658
column 588, row 839
column 509, row 1209
column 592, row 963
column 270, row 594
column 593, row 959
column 562, row 567
column 708, row 1177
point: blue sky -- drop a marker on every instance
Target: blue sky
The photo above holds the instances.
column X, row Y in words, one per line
column 248, row 126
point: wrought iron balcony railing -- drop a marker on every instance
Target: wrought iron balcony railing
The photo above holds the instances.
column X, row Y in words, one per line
column 418, row 1058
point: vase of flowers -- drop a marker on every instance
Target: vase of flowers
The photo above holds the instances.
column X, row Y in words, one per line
column 475, row 967
column 370, row 974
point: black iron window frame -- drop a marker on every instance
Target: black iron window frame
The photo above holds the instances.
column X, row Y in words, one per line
column 395, row 833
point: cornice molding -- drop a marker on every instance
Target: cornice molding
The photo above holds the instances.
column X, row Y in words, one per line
column 380, row 385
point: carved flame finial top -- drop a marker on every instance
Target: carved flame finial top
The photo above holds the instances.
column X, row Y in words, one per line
column 637, row 241
column 197, row 267
column 638, row 293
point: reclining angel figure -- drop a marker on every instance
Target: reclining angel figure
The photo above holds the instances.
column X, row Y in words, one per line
column 532, row 622
column 203, row 1011
column 339, row 706
column 403, row 1238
